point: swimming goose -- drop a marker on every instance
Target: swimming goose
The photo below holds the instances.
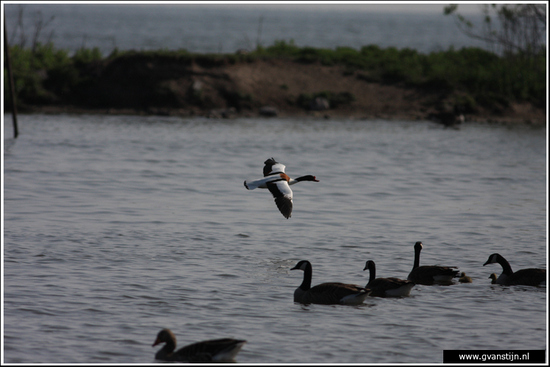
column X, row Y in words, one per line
column 386, row 287
column 327, row 293
column 430, row 274
column 464, row 278
column 215, row 350
column 493, row 278
column 530, row 276
column 278, row 183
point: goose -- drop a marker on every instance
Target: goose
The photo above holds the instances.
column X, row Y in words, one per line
column 278, row 183
column 493, row 278
column 386, row 287
column 530, row 276
column 327, row 293
column 430, row 274
column 464, row 278
column 215, row 350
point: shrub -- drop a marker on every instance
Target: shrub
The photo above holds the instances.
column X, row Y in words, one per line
column 485, row 77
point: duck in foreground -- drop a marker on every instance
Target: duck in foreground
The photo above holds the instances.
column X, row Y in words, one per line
column 215, row 350
column 278, row 183
column 327, row 293
column 532, row 276
column 386, row 287
column 430, row 274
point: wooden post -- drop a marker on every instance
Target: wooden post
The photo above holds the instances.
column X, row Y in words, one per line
column 258, row 38
column 10, row 76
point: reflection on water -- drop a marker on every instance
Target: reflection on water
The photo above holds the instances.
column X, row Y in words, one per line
column 117, row 226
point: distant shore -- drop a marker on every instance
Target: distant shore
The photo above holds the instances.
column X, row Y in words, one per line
column 271, row 87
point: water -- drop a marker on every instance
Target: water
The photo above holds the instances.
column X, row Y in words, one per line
column 118, row 226
column 212, row 29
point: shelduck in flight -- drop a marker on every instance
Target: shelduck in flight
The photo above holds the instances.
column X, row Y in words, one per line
column 278, row 183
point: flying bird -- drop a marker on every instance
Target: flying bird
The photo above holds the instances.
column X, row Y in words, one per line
column 278, row 183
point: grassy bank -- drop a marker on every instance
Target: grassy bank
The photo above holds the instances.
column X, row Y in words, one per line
column 471, row 78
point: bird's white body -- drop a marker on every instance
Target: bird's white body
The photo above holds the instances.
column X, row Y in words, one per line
column 278, row 183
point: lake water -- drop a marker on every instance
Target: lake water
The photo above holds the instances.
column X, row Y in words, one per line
column 227, row 28
column 118, row 226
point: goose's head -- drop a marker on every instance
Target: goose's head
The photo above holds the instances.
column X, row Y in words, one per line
column 492, row 259
column 164, row 336
column 369, row 265
column 493, row 278
column 418, row 246
column 302, row 265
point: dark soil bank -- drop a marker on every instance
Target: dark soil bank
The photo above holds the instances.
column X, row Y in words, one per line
column 144, row 84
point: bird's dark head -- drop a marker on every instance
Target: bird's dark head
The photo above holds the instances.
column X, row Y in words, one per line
column 302, row 265
column 307, row 178
column 493, row 258
column 369, row 265
column 165, row 335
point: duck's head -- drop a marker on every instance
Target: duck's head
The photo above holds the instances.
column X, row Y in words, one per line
column 307, row 178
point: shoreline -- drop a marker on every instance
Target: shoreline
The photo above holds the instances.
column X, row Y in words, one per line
column 533, row 119
column 262, row 88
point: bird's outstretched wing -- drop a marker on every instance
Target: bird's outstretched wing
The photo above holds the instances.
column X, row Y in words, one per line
column 283, row 196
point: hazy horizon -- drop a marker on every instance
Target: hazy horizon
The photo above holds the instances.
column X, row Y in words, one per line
column 323, row 6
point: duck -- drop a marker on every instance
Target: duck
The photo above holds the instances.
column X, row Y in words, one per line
column 463, row 278
column 493, row 278
column 448, row 118
column 532, row 276
column 386, row 287
column 215, row 350
column 430, row 274
column 278, row 183
column 327, row 293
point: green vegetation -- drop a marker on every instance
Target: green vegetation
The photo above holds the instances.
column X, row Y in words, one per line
column 482, row 75
column 45, row 75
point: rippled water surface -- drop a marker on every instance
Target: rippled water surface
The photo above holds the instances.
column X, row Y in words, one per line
column 118, row 226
